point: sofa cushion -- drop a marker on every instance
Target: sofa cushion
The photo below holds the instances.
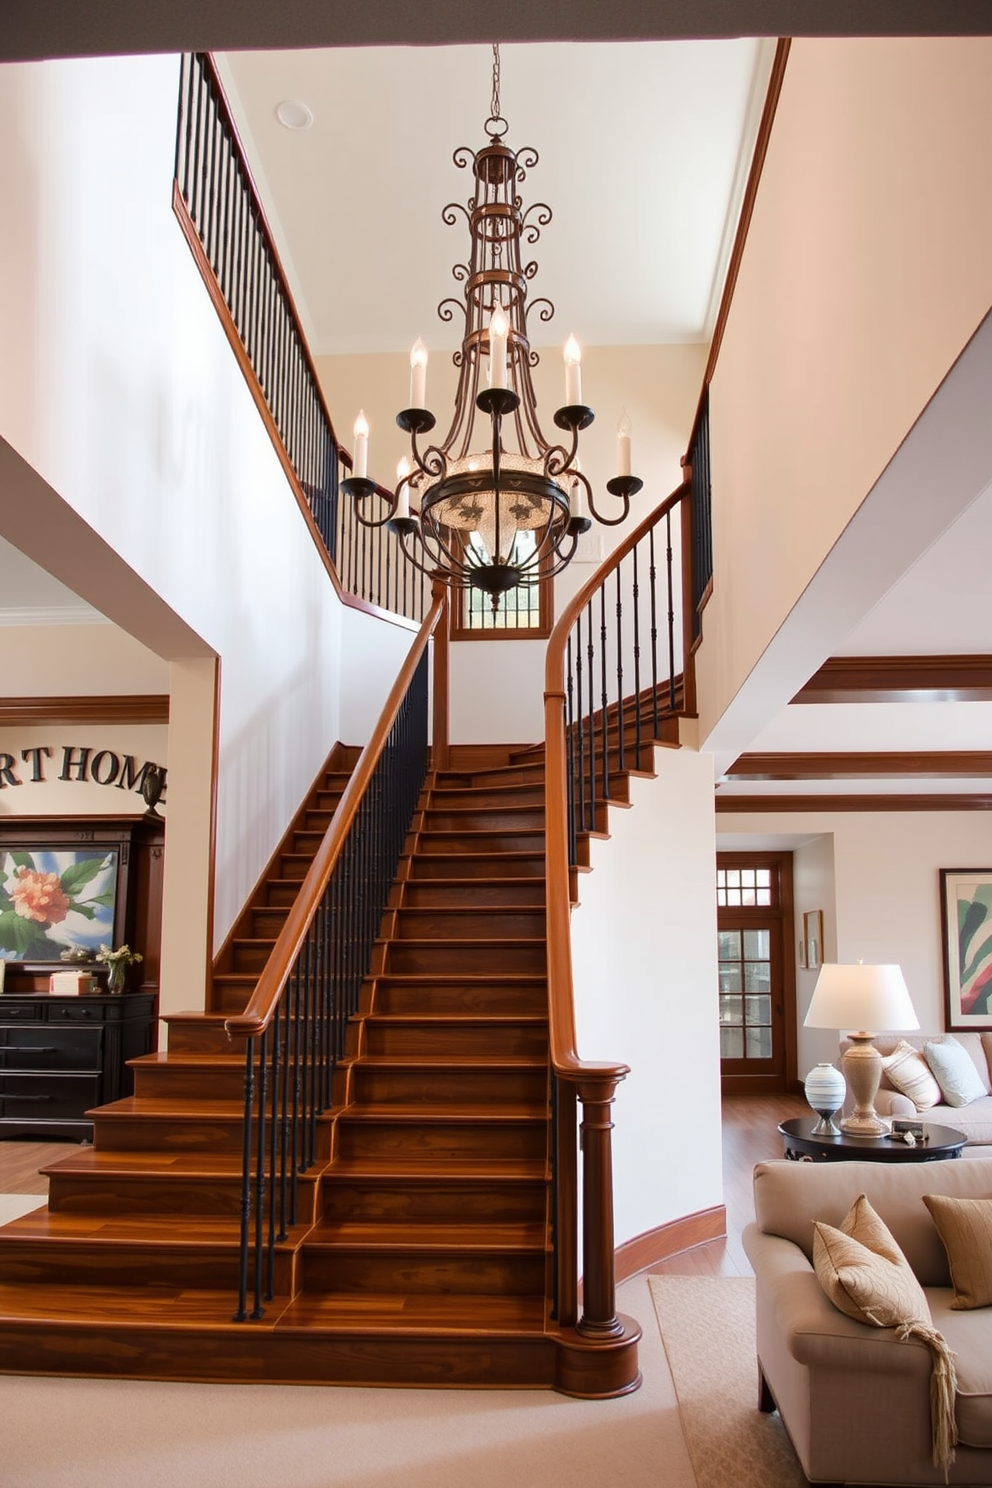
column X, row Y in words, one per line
column 954, row 1071
column 789, row 1196
column 909, row 1072
column 965, row 1227
column 970, row 1336
column 863, row 1271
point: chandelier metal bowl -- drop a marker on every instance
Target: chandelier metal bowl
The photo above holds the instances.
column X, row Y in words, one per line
column 462, row 505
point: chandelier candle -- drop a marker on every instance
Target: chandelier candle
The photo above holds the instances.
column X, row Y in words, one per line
column 573, row 372
column 361, row 467
column 623, row 444
column 418, row 375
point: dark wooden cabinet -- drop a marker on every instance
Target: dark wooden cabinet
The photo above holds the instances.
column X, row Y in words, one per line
column 61, row 1056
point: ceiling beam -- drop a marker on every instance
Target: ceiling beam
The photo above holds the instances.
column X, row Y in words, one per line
column 855, row 764
column 900, row 679
column 85, row 28
column 758, row 805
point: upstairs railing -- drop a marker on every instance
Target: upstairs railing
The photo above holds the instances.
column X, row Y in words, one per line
column 295, row 1025
column 218, row 207
column 610, row 676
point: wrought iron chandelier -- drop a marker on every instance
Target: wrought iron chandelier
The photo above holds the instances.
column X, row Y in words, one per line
column 461, row 506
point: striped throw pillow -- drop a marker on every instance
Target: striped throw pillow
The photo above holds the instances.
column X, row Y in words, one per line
column 909, row 1072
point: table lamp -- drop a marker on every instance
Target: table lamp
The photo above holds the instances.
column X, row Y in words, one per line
column 861, row 997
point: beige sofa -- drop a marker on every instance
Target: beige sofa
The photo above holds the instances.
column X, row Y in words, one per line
column 974, row 1119
column 854, row 1399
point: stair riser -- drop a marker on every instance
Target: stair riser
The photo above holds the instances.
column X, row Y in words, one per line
column 229, row 998
column 469, row 924
column 500, row 775
column 412, row 1040
column 283, row 893
column 245, row 1354
column 471, row 866
column 252, row 958
column 465, row 959
column 162, row 1194
column 413, row 1274
column 267, row 923
column 506, row 798
column 401, row 998
column 175, row 1134
column 496, row 819
column 170, row 1082
column 395, row 1202
column 93, row 1264
column 439, row 1140
column 496, row 1088
column 488, row 843
column 203, row 1038
column 423, row 894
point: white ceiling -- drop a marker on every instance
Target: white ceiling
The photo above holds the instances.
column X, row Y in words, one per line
column 642, row 148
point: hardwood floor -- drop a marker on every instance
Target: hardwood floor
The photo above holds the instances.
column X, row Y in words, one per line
column 750, row 1135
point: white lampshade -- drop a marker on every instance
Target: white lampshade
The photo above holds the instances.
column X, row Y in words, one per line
column 862, row 997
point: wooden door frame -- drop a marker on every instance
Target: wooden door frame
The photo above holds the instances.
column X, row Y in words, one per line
column 781, row 862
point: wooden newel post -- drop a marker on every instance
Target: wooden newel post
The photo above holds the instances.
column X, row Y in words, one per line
column 599, row 1303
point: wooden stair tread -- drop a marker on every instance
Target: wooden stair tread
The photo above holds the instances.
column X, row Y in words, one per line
column 440, row 1062
column 154, row 1108
column 100, row 1162
column 193, row 1231
column 86, row 1306
column 164, row 1058
column 403, row 1312
column 492, row 1114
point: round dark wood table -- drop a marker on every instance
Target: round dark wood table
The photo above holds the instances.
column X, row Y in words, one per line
column 801, row 1145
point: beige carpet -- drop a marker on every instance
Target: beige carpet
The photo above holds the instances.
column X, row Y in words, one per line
column 707, row 1324
column 81, row 1433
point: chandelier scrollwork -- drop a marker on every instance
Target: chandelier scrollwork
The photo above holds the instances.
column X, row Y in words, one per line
column 462, row 503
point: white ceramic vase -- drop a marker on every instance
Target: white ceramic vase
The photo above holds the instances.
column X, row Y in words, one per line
column 825, row 1089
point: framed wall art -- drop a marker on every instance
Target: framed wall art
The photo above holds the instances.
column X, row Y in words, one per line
column 966, row 932
column 55, row 899
column 813, row 936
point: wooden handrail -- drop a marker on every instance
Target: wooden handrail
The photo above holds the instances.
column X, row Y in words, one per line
column 262, row 1005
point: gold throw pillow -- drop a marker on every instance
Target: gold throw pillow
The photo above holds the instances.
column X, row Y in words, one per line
column 965, row 1227
column 863, row 1271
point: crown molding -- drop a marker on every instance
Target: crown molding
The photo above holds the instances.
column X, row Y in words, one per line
column 123, row 708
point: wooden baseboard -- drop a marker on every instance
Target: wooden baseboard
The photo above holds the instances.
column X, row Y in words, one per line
column 668, row 1240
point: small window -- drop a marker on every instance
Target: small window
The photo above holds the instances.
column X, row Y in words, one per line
column 525, row 613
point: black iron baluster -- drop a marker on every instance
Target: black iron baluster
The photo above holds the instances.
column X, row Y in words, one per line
column 636, row 593
column 263, row 1077
column 603, row 694
column 590, row 822
column 246, row 1182
column 570, row 753
column 671, row 612
column 620, row 713
column 653, row 576
column 580, row 725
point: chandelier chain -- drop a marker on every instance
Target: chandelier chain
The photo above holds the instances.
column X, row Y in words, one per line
column 494, row 107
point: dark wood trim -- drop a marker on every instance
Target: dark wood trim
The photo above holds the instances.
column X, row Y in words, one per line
column 758, row 805
column 896, row 679
column 150, row 707
column 784, row 912
column 668, row 1240
column 857, row 764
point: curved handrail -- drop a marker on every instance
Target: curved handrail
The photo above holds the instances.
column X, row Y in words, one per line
column 262, row 1005
column 561, row 1008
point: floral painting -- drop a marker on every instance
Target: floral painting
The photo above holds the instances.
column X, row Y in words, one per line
column 966, row 912
column 53, row 901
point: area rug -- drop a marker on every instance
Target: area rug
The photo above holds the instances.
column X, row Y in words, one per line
column 707, row 1327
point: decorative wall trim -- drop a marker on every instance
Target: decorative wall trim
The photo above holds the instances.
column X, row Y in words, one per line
column 669, row 1240
column 888, row 765
column 900, row 679
column 81, row 614
column 149, row 707
column 758, row 805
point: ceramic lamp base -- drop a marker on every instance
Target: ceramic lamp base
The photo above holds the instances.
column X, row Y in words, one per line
column 862, row 1071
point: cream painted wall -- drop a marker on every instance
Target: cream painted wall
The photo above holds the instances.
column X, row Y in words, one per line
column 77, row 661
column 497, row 686
column 372, row 653
column 644, row 961
column 865, row 274
column 878, row 875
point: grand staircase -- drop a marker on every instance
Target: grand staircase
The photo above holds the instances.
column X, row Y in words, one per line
column 420, row 1252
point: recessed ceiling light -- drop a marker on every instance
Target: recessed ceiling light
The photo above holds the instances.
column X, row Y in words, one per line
column 293, row 114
